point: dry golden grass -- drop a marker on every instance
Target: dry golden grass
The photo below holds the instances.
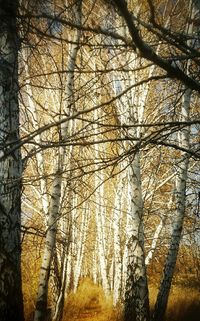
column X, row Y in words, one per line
column 30, row 271
column 183, row 305
column 88, row 303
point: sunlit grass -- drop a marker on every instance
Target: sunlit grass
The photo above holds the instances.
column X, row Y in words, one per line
column 184, row 304
column 30, row 271
column 89, row 303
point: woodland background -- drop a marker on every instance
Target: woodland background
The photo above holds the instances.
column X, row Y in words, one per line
column 99, row 160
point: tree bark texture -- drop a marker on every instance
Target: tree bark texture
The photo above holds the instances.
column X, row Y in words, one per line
column 130, row 111
column 42, row 297
column 11, row 303
column 136, row 296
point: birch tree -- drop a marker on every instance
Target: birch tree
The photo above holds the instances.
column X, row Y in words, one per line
column 53, row 212
column 118, row 213
column 11, row 304
column 130, row 111
column 136, row 296
column 180, row 194
column 100, row 209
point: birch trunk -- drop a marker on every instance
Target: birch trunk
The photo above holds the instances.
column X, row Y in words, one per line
column 72, row 221
column 118, row 212
column 117, row 264
column 58, row 313
column 136, row 288
column 100, row 224
column 154, row 241
column 136, row 296
column 53, row 213
column 42, row 296
column 37, row 139
column 181, row 179
column 180, row 193
column 100, row 212
column 67, row 128
column 157, row 235
column 177, row 224
column 66, row 258
column 11, row 303
column 80, row 248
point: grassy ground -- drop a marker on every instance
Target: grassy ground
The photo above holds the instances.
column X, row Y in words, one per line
column 90, row 304
column 183, row 304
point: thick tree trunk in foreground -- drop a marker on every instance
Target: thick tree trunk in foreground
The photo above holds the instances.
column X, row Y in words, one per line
column 11, row 304
column 136, row 296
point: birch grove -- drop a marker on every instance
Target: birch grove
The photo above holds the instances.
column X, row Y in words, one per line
column 54, row 206
column 101, row 97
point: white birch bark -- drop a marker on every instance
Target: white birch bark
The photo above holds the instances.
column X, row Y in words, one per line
column 136, row 296
column 42, row 295
column 156, row 236
column 100, row 213
column 159, row 228
column 53, row 213
column 66, row 269
column 100, row 225
column 81, row 247
column 136, row 289
column 127, row 235
column 37, row 139
column 11, row 303
column 117, row 264
column 118, row 213
column 94, row 264
column 58, row 311
column 131, row 109
column 73, row 237
column 180, row 199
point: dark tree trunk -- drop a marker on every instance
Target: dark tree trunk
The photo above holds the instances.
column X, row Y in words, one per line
column 11, row 303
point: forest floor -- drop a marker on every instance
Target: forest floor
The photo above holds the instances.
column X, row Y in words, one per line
column 90, row 304
column 94, row 312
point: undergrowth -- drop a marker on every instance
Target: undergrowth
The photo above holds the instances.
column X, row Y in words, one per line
column 89, row 303
column 183, row 305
